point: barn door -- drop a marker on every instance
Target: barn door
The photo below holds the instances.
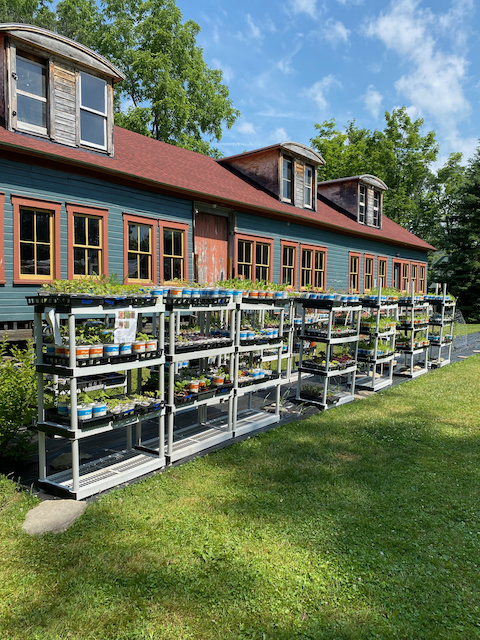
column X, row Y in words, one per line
column 211, row 248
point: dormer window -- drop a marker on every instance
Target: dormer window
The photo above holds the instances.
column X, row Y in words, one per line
column 93, row 111
column 287, row 179
column 31, row 109
column 376, row 209
column 308, row 182
column 362, row 204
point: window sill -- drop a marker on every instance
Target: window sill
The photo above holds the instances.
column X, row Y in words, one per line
column 38, row 283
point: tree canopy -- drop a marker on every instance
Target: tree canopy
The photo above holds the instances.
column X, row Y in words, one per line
column 169, row 92
column 400, row 155
column 459, row 264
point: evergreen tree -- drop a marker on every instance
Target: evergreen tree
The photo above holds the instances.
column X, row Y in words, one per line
column 461, row 267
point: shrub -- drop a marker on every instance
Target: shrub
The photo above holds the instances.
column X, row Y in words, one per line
column 18, row 400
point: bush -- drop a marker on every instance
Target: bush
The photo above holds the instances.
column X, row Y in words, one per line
column 18, row 400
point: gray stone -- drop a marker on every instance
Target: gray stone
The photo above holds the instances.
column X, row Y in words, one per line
column 53, row 516
column 64, row 461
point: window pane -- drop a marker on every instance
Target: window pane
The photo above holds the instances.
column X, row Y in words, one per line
column 31, row 77
column 287, row 179
column 93, row 93
column 43, row 227
column 168, row 242
column 177, row 243
column 43, row 260
column 79, row 235
column 93, row 261
column 79, row 262
column 26, row 225
column 306, row 259
column 92, row 128
column 144, row 239
column 319, row 259
column 31, row 111
column 94, row 232
column 26, row 259
column 248, row 252
column 133, row 237
column 167, row 269
column 144, row 267
column 177, row 268
column 132, row 265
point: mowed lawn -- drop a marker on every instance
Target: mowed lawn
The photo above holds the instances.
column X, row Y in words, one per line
column 362, row 522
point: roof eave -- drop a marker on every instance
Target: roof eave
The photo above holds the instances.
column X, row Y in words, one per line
column 210, row 198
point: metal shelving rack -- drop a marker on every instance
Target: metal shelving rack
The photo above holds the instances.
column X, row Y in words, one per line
column 352, row 313
column 413, row 354
column 207, row 433
column 378, row 366
column 251, row 420
column 84, row 480
column 440, row 323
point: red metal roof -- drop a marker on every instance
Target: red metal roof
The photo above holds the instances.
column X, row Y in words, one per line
column 197, row 177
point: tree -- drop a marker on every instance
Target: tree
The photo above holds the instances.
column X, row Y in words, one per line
column 174, row 96
column 399, row 155
column 27, row 11
column 461, row 268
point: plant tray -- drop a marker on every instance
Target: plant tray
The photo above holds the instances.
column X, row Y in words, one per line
column 224, row 388
column 114, row 360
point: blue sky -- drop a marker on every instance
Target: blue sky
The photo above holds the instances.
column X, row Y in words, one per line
column 292, row 63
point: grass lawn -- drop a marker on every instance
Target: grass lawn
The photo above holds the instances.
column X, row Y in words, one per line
column 362, row 522
column 465, row 329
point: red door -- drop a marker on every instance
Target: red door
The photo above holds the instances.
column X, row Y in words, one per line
column 211, row 248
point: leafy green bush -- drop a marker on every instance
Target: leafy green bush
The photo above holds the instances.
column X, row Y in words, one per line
column 18, row 400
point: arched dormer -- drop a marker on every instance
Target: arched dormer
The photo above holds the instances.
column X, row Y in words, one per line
column 53, row 87
column 288, row 170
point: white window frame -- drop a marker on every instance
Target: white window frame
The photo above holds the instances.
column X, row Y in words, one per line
column 292, row 172
column 26, row 126
column 376, row 208
column 308, row 202
column 87, row 143
column 362, row 202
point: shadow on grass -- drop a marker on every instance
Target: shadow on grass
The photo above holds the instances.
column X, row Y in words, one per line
column 359, row 523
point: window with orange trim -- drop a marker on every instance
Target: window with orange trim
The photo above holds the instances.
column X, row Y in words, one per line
column 405, row 276
column 313, row 262
column 421, row 278
column 173, row 238
column 414, row 276
column 382, row 272
column 368, row 273
column 354, row 272
column 253, row 256
column 36, row 240
column 87, row 241
column 139, row 249
column 289, row 263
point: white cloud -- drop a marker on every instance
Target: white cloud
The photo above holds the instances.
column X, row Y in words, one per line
column 318, row 90
column 435, row 83
column 335, row 32
column 228, row 74
column 274, row 113
column 344, row 2
column 246, row 127
column 373, row 101
column 304, row 6
column 254, row 30
column 279, row 135
column 285, row 64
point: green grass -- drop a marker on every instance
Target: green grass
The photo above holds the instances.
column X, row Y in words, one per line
column 359, row 523
column 465, row 329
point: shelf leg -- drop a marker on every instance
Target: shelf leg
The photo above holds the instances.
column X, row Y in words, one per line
column 76, row 465
column 161, row 436
column 170, row 434
column 42, row 456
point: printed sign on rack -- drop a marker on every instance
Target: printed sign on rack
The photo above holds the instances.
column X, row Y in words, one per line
column 125, row 325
